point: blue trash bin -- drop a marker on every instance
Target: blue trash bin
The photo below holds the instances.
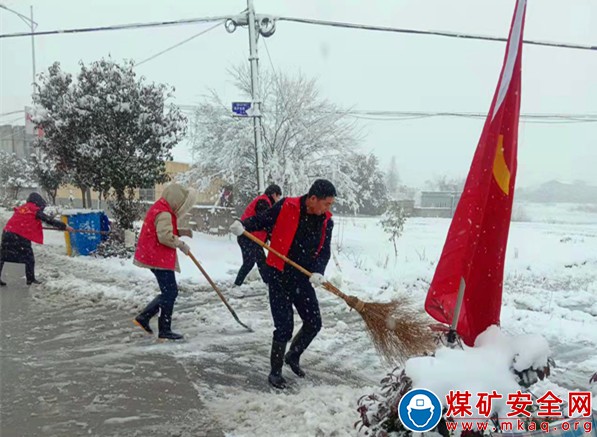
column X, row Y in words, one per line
column 85, row 243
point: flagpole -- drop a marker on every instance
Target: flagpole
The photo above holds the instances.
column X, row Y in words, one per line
column 454, row 325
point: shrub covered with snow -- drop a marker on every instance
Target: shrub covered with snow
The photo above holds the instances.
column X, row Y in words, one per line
column 497, row 362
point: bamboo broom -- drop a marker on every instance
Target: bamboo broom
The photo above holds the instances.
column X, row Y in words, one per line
column 396, row 329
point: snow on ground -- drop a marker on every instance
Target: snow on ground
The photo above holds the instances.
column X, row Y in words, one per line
column 550, row 289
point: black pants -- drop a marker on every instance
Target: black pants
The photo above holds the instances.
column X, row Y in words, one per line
column 252, row 253
column 29, row 269
column 288, row 289
column 164, row 303
column 17, row 249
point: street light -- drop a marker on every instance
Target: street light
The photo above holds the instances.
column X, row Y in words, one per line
column 33, row 25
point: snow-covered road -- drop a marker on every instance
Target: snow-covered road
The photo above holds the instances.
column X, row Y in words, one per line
column 550, row 289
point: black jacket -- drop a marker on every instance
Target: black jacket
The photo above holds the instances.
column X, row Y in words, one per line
column 39, row 201
column 306, row 240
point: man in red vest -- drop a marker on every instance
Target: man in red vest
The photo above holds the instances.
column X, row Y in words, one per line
column 156, row 250
column 302, row 231
column 252, row 252
column 21, row 229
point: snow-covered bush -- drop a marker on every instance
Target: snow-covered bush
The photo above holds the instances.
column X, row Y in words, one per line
column 116, row 245
column 497, row 362
column 126, row 210
column 379, row 412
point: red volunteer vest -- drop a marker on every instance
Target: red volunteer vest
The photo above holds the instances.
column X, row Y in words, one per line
column 250, row 212
column 149, row 250
column 285, row 230
column 24, row 223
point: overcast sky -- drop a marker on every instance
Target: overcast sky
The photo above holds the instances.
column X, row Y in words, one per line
column 357, row 69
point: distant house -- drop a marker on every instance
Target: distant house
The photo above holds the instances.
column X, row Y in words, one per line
column 69, row 194
column 172, row 169
column 14, row 139
column 437, row 204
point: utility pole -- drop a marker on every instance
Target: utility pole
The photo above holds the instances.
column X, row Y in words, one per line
column 258, row 25
column 255, row 98
column 33, row 24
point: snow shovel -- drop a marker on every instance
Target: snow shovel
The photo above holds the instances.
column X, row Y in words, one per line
column 397, row 331
column 217, row 290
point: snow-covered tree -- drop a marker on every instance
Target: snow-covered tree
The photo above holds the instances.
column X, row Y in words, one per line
column 305, row 137
column 371, row 192
column 110, row 130
column 15, row 174
column 48, row 174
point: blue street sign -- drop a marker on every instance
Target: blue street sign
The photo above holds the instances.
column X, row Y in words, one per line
column 240, row 108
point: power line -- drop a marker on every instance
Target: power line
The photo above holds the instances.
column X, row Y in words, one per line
column 388, row 115
column 12, row 120
column 179, row 44
column 118, row 27
column 409, row 115
column 12, row 112
column 303, row 21
column 430, row 32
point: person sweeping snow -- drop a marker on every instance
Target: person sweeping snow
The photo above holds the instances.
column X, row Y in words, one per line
column 252, row 253
column 302, row 230
column 22, row 228
column 156, row 250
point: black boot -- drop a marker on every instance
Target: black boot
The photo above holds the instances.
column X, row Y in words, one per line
column 164, row 323
column 292, row 359
column 142, row 320
column 169, row 335
column 30, row 272
column 2, row 283
column 275, row 377
column 299, row 343
column 143, row 324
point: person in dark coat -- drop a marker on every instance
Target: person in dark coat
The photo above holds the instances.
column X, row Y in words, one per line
column 302, row 231
column 22, row 228
column 252, row 252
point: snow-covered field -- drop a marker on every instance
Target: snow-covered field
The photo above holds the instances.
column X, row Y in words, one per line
column 550, row 289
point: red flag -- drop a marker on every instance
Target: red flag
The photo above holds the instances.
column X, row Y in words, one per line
column 476, row 243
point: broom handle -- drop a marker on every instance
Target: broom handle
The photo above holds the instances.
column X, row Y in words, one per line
column 217, row 290
column 329, row 287
column 81, row 231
